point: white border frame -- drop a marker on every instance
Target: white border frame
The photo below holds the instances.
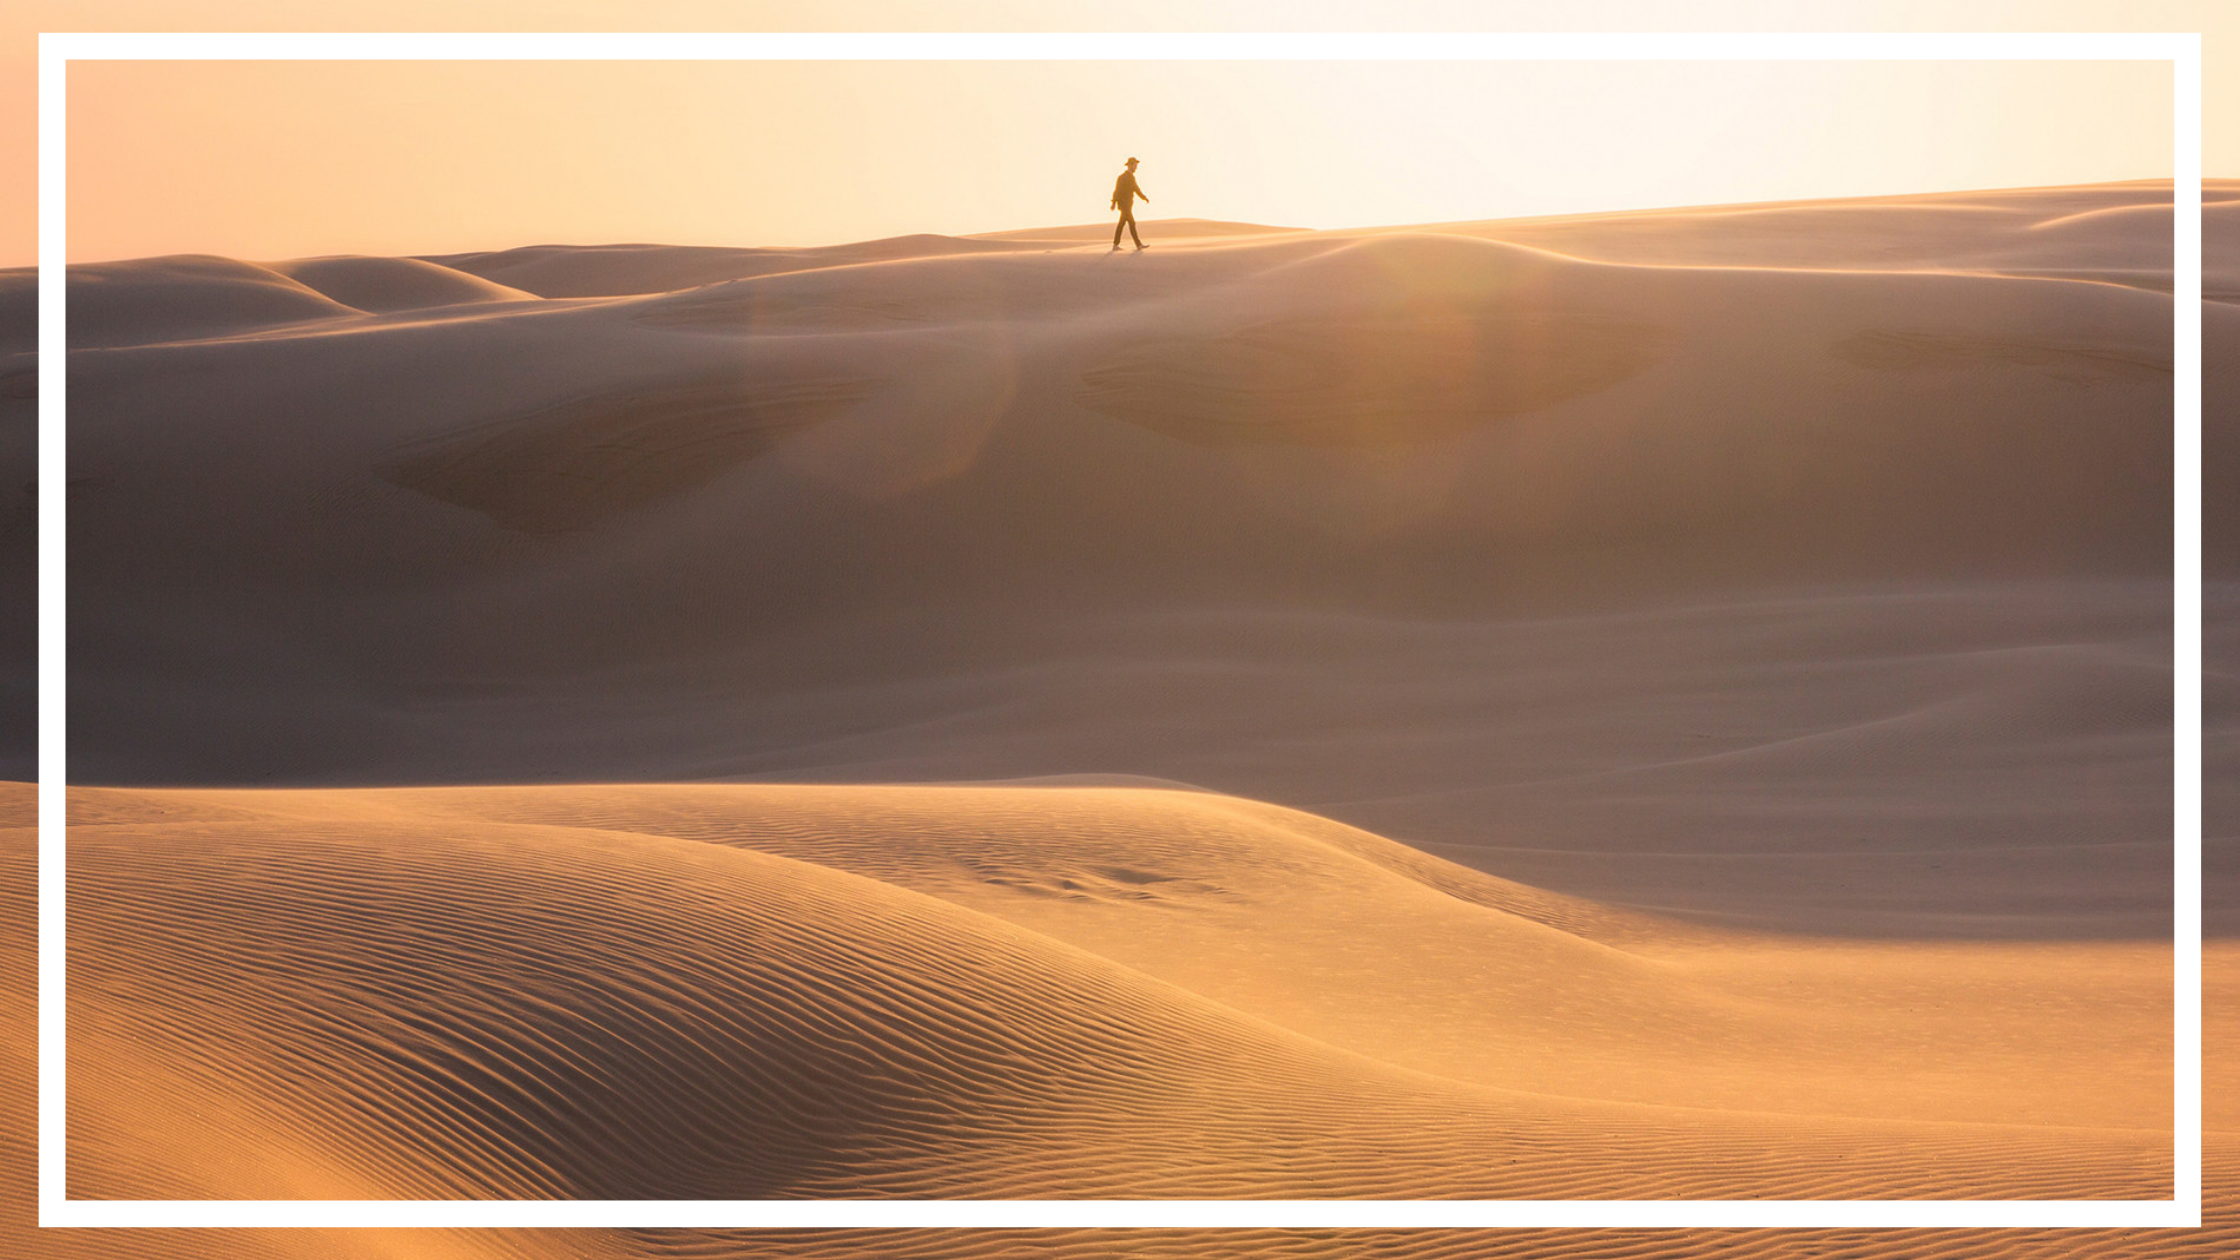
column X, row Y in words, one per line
column 2183, row 1210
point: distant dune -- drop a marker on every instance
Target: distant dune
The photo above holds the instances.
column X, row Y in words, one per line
column 1663, row 704
column 1658, row 542
column 380, row 286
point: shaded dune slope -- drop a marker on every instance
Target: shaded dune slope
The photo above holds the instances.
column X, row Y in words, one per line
column 572, row 464
column 1702, row 525
column 1524, row 403
column 1406, row 340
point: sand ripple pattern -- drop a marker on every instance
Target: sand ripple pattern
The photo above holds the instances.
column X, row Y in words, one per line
column 413, row 1006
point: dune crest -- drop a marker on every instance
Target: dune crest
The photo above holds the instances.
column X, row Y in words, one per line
column 190, row 297
column 384, row 285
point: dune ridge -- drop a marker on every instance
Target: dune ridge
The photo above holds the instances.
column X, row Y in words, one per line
column 385, row 285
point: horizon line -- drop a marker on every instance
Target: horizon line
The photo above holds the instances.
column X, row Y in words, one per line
column 1729, row 207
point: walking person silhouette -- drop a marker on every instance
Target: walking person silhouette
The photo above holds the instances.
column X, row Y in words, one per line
column 1124, row 194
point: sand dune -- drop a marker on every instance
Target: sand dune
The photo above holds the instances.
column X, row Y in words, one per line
column 126, row 812
column 187, row 298
column 2111, row 233
column 382, row 285
column 1680, row 701
column 1377, row 948
column 565, row 271
column 1858, row 502
column 1154, row 230
column 423, row 994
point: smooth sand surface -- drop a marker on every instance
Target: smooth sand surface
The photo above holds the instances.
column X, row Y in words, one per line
column 1800, row 567
column 1658, row 704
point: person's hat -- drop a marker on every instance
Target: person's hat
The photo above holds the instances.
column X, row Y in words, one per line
column 1132, row 162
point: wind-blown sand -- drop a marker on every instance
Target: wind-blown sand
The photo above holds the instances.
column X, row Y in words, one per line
column 1671, row 704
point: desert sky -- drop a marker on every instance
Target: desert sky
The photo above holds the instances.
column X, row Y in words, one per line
column 463, row 159
column 286, row 159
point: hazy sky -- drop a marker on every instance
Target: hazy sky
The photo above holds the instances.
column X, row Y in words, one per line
column 280, row 159
column 274, row 160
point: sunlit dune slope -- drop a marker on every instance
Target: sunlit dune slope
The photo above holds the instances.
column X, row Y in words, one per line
column 375, row 994
column 1378, row 948
column 128, row 1152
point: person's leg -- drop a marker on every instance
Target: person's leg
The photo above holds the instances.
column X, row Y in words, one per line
column 1133, row 235
column 1124, row 217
